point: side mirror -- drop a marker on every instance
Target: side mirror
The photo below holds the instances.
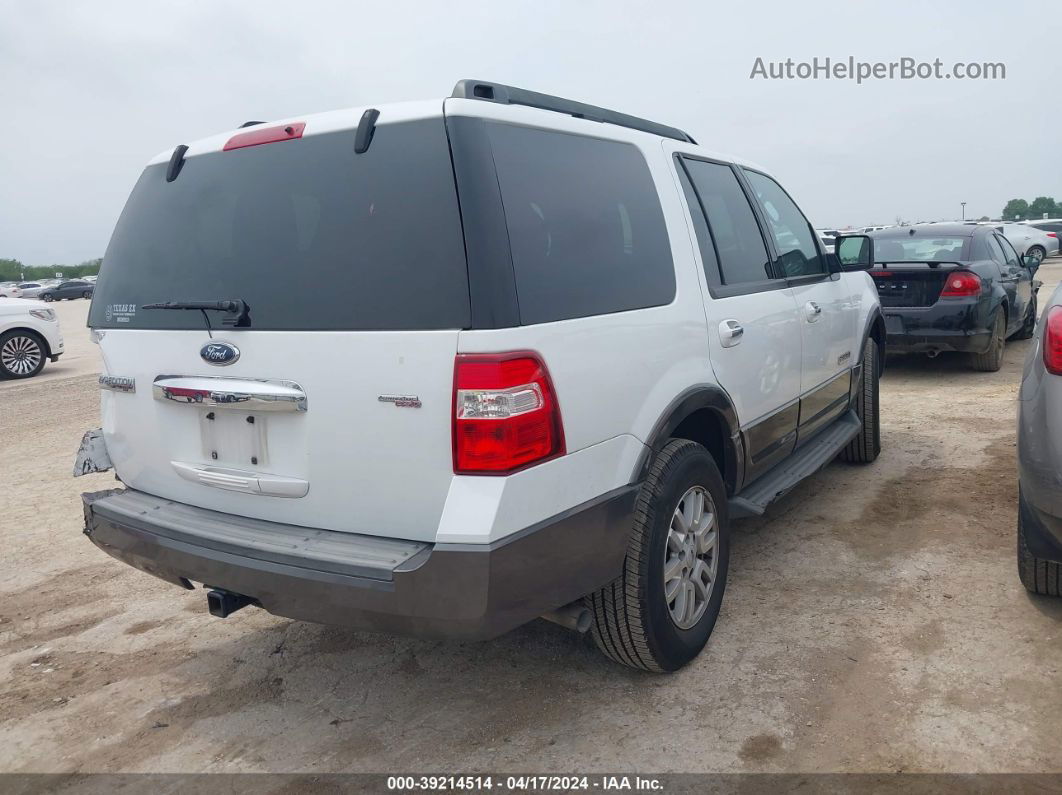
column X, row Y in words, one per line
column 1030, row 262
column 855, row 252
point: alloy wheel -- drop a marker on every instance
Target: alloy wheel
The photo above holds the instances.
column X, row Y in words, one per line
column 691, row 563
column 21, row 355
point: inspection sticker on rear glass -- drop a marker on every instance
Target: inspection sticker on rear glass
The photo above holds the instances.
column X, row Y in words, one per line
column 123, row 313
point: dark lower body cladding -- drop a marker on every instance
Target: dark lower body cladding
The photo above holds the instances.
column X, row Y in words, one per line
column 1042, row 530
column 368, row 583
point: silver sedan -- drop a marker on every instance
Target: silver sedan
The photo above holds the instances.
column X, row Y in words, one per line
column 1040, row 457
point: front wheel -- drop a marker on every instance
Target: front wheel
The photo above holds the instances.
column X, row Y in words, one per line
column 658, row 614
column 991, row 360
column 866, row 446
column 21, row 354
column 86, row 294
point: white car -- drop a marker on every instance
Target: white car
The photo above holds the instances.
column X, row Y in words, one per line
column 29, row 334
column 10, row 290
column 31, row 289
column 552, row 399
column 1029, row 240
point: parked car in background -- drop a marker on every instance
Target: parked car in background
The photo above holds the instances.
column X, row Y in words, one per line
column 29, row 335
column 868, row 229
column 1029, row 240
column 10, row 290
column 1050, row 226
column 587, row 422
column 1040, row 457
column 31, row 289
column 828, row 238
column 953, row 287
column 77, row 288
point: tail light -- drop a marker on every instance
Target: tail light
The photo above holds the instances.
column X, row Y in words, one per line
column 506, row 415
column 1051, row 234
column 1053, row 341
column 961, row 284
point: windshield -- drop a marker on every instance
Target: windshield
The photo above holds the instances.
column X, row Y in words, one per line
column 308, row 233
column 925, row 249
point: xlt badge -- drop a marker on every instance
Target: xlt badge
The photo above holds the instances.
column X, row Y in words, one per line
column 402, row 401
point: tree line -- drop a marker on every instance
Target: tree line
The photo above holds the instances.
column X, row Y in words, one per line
column 11, row 270
column 1021, row 210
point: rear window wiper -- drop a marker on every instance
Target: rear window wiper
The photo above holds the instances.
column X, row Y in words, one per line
column 237, row 311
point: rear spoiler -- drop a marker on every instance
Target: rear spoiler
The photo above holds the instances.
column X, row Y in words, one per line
column 934, row 264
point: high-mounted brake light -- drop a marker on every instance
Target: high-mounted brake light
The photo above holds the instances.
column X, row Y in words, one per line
column 266, row 135
column 961, row 284
column 1053, row 341
column 506, row 415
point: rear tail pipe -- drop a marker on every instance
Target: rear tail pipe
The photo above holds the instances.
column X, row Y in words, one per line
column 224, row 603
column 575, row 616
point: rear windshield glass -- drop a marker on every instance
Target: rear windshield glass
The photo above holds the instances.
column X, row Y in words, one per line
column 308, row 233
column 925, row 249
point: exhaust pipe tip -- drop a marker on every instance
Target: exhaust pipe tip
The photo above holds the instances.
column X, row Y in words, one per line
column 223, row 604
column 575, row 616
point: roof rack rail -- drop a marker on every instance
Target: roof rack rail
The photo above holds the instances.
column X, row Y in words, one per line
column 510, row 95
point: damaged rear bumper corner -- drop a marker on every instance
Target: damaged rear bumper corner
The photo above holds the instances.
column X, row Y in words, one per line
column 92, row 455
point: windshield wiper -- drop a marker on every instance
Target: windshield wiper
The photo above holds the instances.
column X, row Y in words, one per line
column 237, row 311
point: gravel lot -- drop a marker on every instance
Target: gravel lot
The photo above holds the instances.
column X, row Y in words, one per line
column 873, row 622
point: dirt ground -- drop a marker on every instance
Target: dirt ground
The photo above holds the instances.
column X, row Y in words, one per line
column 873, row 622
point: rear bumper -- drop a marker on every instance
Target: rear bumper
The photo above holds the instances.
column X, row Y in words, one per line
column 948, row 325
column 368, row 583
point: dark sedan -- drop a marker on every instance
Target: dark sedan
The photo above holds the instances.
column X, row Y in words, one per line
column 71, row 289
column 953, row 287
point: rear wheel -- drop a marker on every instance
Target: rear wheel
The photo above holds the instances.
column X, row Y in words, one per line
column 991, row 360
column 865, row 447
column 21, row 354
column 658, row 614
column 1042, row 577
column 1037, row 251
column 1028, row 328
column 47, row 297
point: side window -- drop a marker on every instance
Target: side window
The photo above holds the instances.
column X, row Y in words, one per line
column 1009, row 254
column 797, row 253
column 586, row 229
column 995, row 250
column 739, row 244
column 709, row 261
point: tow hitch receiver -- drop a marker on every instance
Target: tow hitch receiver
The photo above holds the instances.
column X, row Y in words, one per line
column 224, row 603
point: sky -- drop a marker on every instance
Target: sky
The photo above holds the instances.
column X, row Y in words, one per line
column 89, row 92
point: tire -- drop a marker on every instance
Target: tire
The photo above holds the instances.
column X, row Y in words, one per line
column 22, row 354
column 866, row 446
column 1042, row 577
column 47, row 297
column 1028, row 328
column 86, row 294
column 1037, row 251
column 991, row 360
column 634, row 622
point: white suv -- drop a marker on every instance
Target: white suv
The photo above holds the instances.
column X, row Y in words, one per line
column 445, row 367
column 29, row 335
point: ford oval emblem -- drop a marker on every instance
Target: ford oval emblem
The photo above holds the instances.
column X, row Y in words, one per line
column 219, row 353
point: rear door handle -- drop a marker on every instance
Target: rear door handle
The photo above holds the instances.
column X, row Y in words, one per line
column 812, row 311
column 730, row 333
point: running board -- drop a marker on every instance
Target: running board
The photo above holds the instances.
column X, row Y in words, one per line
column 806, row 461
